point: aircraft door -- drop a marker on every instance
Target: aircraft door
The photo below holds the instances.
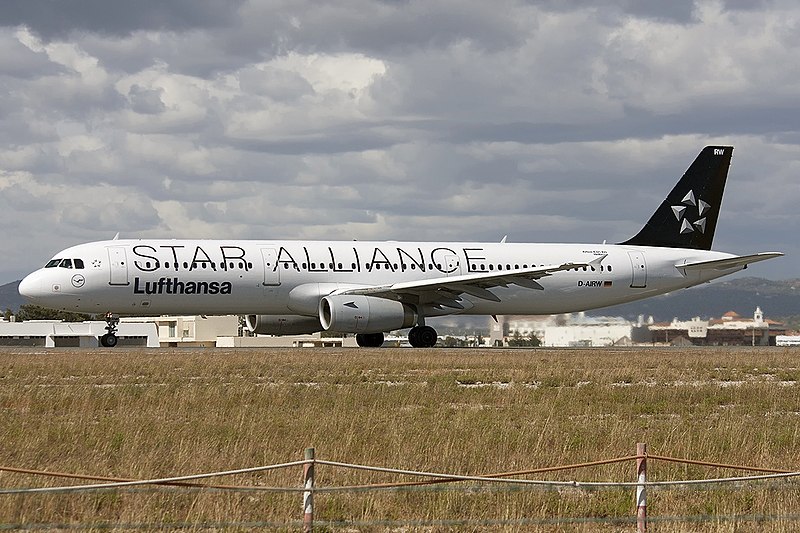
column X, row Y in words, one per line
column 272, row 271
column 118, row 265
column 638, row 270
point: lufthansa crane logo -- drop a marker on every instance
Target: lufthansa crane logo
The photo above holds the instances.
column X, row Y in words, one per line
column 682, row 213
column 78, row 280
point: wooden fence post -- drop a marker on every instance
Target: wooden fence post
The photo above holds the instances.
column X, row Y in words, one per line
column 308, row 495
column 641, row 490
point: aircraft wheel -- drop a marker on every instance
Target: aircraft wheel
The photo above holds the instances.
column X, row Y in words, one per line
column 109, row 340
column 422, row 337
column 427, row 337
column 369, row 340
column 413, row 337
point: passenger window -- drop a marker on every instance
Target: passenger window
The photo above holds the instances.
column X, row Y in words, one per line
column 78, row 263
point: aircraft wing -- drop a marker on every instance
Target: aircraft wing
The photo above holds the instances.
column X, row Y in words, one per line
column 732, row 262
column 447, row 291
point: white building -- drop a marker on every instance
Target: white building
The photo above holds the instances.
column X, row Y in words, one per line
column 580, row 330
column 566, row 330
column 787, row 340
column 191, row 330
column 313, row 340
column 731, row 329
column 57, row 334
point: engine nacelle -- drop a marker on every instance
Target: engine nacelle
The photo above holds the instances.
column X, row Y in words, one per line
column 364, row 314
column 282, row 324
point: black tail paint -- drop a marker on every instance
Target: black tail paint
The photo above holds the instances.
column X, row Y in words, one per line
column 688, row 216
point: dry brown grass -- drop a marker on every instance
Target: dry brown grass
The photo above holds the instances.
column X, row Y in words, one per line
column 153, row 413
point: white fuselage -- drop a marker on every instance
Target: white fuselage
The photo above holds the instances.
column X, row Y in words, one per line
column 145, row 277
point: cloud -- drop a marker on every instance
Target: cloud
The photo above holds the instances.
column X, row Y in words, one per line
column 59, row 20
column 547, row 121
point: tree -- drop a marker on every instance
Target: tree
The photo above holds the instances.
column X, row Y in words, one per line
column 518, row 340
column 35, row 312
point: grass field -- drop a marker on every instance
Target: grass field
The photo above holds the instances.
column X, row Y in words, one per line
column 155, row 413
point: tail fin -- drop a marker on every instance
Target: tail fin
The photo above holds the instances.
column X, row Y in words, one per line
column 688, row 216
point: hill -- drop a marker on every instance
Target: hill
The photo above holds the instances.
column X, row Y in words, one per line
column 9, row 297
column 776, row 299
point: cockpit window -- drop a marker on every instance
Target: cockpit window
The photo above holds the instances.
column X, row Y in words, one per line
column 65, row 263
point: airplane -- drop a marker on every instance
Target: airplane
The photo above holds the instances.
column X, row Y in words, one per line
column 368, row 288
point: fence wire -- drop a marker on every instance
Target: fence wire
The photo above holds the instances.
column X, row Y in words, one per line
column 434, row 482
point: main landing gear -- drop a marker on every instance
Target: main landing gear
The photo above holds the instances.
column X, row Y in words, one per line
column 418, row 337
column 422, row 337
column 109, row 340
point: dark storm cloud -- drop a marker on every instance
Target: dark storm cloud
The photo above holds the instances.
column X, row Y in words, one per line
column 59, row 18
column 713, row 119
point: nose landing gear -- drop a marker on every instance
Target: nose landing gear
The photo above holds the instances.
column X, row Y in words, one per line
column 109, row 340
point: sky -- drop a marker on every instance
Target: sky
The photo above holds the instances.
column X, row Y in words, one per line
column 547, row 121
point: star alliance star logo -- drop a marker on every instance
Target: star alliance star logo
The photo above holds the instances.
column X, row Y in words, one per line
column 682, row 214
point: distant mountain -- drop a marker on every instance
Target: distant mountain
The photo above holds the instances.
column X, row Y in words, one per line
column 9, row 297
column 776, row 299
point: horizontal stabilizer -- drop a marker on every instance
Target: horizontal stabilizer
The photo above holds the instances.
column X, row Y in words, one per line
column 731, row 262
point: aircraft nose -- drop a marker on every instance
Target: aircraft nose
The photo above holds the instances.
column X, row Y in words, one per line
column 31, row 286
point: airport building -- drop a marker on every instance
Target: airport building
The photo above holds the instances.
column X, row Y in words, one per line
column 729, row 330
column 190, row 330
column 57, row 334
column 570, row 330
column 576, row 330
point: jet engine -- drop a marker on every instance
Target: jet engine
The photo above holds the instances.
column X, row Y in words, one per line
column 364, row 314
column 282, row 324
